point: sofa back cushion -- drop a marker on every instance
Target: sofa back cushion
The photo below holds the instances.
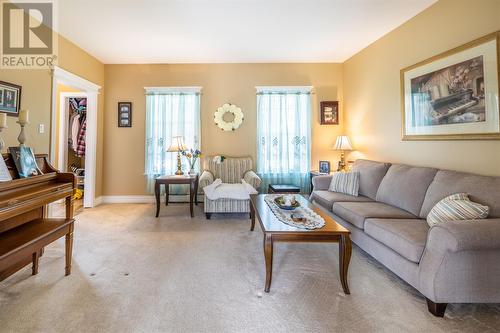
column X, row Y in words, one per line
column 371, row 174
column 405, row 186
column 481, row 189
column 231, row 170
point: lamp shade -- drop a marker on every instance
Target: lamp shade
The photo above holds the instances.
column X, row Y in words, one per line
column 342, row 143
column 177, row 144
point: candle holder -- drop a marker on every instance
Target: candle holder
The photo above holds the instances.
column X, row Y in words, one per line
column 22, row 136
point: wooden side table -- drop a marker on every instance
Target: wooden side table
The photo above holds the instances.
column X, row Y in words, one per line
column 191, row 180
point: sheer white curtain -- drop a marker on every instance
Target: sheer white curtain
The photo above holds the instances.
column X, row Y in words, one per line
column 169, row 112
column 284, row 136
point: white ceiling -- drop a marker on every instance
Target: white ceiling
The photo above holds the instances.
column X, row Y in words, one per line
column 230, row 31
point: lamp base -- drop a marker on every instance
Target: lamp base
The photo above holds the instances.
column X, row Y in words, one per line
column 342, row 165
column 179, row 165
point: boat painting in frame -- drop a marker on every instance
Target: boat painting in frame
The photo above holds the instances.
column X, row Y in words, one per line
column 454, row 95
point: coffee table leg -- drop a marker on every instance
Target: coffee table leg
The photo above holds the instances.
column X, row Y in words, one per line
column 252, row 216
column 268, row 255
column 157, row 195
column 345, row 249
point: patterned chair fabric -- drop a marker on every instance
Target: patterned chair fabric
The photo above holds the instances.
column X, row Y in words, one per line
column 231, row 170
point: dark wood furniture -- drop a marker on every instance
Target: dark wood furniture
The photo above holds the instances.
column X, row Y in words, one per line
column 276, row 231
column 191, row 180
column 24, row 227
column 283, row 189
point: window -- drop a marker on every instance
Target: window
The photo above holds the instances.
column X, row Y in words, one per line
column 170, row 112
column 284, row 136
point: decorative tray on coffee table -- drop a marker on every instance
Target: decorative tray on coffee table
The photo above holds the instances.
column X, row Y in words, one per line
column 280, row 202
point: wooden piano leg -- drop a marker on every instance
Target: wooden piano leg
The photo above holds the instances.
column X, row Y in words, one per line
column 34, row 268
column 69, row 249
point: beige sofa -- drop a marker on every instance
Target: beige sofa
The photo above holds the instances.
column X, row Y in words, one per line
column 455, row 262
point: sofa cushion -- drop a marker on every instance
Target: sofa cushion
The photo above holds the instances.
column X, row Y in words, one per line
column 327, row 198
column 481, row 189
column 371, row 174
column 456, row 207
column 407, row 237
column 357, row 212
column 405, row 186
column 345, row 182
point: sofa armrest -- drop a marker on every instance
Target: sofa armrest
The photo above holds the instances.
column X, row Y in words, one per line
column 206, row 179
column 251, row 178
column 321, row 182
column 465, row 235
column 460, row 262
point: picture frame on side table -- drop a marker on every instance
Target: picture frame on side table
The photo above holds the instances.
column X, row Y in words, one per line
column 10, row 98
column 329, row 112
column 324, row 166
column 124, row 114
column 454, row 95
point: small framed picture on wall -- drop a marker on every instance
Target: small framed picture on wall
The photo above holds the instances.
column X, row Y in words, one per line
column 124, row 114
column 329, row 112
column 324, row 166
column 10, row 98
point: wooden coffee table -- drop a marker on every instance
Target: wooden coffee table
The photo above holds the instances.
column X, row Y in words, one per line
column 276, row 231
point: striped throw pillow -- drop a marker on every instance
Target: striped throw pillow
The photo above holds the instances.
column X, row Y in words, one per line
column 456, row 207
column 345, row 182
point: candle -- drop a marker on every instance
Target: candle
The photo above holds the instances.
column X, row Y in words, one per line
column 24, row 116
column 3, row 120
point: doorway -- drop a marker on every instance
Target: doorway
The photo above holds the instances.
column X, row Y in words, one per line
column 68, row 88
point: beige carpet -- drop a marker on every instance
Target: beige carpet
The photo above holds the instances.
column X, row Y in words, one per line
column 135, row 273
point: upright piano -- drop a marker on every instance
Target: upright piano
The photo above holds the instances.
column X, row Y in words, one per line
column 25, row 228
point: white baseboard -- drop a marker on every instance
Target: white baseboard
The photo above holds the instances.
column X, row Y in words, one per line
column 142, row 199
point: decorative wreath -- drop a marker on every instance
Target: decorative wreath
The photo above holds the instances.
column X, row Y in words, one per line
column 228, row 126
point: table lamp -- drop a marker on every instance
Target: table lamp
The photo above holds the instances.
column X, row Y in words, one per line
column 177, row 146
column 343, row 143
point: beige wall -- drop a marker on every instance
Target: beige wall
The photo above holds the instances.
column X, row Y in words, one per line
column 234, row 83
column 372, row 88
column 37, row 95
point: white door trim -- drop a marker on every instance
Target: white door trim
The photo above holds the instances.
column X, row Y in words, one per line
column 60, row 76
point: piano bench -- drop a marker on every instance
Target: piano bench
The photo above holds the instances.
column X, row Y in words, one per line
column 29, row 239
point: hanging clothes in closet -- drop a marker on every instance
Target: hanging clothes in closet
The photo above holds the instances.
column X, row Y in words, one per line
column 77, row 125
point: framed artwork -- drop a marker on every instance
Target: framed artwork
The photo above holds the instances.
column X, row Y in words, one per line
column 124, row 114
column 10, row 98
column 329, row 112
column 324, row 166
column 454, row 95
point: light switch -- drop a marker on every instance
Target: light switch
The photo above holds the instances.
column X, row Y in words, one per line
column 41, row 128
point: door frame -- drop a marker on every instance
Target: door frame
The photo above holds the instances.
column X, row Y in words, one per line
column 91, row 90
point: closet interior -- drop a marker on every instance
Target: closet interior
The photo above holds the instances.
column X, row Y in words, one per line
column 77, row 124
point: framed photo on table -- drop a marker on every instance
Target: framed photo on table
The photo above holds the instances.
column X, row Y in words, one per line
column 454, row 95
column 10, row 98
column 324, row 166
column 329, row 112
column 124, row 114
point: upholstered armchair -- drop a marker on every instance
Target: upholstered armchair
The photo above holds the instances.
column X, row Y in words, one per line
column 231, row 170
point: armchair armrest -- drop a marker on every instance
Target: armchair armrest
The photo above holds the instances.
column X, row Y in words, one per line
column 460, row 262
column 321, row 182
column 206, row 179
column 251, row 178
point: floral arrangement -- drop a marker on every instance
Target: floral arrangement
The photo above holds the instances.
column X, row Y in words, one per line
column 228, row 125
column 219, row 159
column 191, row 155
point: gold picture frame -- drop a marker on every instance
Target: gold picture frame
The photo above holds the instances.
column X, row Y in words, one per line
column 453, row 95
